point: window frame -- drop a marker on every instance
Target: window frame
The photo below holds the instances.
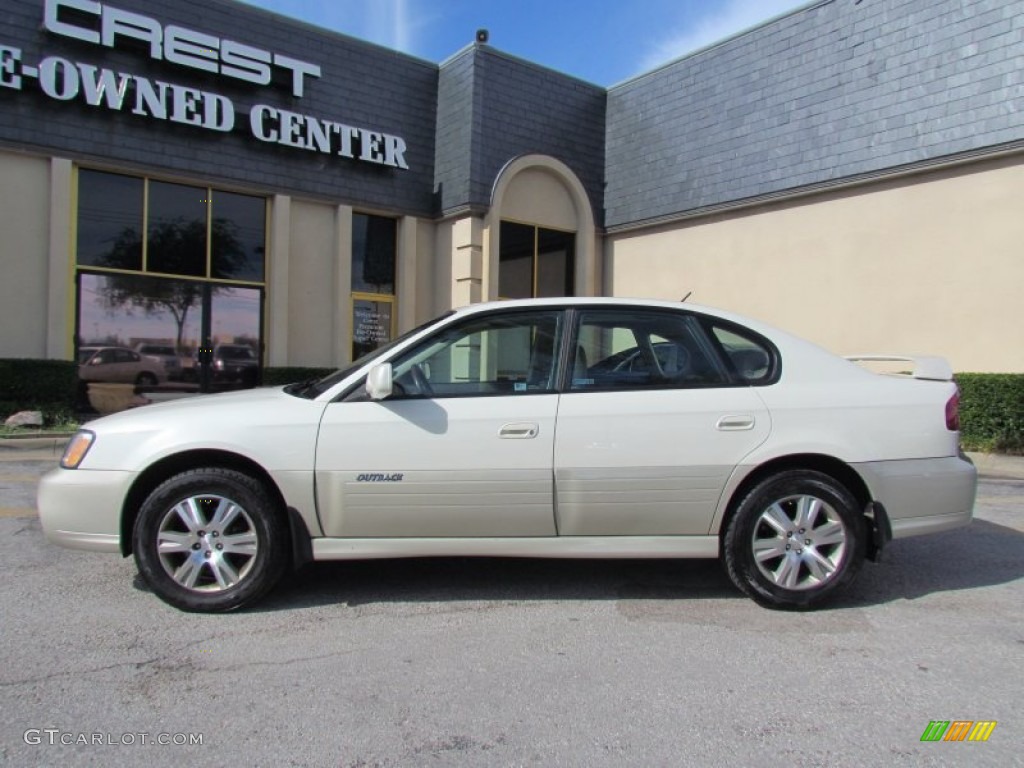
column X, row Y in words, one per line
column 774, row 372
column 391, row 299
column 208, row 283
column 702, row 324
column 144, row 270
column 570, row 273
column 558, row 314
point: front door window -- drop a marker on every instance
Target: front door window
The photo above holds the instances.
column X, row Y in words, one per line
column 503, row 354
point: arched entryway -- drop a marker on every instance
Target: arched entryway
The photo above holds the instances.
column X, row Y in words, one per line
column 539, row 237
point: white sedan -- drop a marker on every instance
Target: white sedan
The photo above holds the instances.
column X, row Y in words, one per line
column 548, row 428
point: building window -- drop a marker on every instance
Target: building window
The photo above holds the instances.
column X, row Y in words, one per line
column 172, row 266
column 374, row 255
column 535, row 262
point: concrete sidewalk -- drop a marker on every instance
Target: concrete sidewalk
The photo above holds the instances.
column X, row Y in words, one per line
column 996, row 465
column 42, row 448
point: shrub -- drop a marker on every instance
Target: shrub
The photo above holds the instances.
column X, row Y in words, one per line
column 43, row 385
column 992, row 412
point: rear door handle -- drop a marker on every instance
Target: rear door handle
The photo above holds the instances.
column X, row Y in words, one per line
column 735, row 423
column 519, row 431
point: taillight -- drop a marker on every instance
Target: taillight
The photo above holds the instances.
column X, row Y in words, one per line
column 953, row 412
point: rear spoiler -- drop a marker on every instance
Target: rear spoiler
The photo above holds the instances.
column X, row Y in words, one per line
column 925, row 366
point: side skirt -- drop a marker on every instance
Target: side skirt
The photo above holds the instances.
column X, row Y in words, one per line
column 620, row 547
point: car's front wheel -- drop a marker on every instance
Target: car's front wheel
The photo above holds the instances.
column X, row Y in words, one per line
column 796, row 538
column 210, row 540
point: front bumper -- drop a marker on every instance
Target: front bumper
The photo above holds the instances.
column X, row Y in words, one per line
column 81, row 508
column 923, row 495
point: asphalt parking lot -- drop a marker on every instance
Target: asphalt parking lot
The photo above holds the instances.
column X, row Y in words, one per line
column 506, row 662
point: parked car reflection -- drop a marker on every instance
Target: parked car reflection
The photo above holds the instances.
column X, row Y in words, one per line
column 164, row 354
column 231, row 366
column 119, row 365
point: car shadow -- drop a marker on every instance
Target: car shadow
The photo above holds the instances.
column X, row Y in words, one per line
column 983, row 554
column 458, row 579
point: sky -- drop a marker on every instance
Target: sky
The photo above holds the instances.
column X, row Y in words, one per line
column 599, row 41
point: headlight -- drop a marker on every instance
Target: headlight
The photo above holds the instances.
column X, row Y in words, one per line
column 77, row 448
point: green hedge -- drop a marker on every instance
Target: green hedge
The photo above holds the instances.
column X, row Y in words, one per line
column 273, row 377
column 992, row 412
column 38, row 385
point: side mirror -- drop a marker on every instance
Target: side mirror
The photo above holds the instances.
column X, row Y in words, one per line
column 378, row 381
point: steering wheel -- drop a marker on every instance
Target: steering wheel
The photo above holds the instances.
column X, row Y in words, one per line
column 419, row 378
column 651, row 358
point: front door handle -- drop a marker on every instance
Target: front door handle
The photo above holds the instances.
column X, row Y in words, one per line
column 519, row 431
column 735, row 423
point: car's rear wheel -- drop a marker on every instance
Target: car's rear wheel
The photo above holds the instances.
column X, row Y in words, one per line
column 796, row 538
column 210, row 540
column 145, row 380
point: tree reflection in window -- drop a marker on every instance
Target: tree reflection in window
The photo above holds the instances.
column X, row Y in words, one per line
column 110, row 228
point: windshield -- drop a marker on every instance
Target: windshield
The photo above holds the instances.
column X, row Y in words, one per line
column 314, row 389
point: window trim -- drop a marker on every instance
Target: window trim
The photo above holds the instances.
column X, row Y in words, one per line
column 703, row 322
column 382, row 298
column 561, row 315
column 774, row 358
column 535, row 263
column 571, row 316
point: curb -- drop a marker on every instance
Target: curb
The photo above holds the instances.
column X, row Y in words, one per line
column 998, row 466
column 54, row 443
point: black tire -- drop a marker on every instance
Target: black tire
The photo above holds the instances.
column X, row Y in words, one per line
column 811, row 536
column 232, row 553
column 145, row 379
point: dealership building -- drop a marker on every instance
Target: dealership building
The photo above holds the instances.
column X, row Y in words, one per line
column 208, row 173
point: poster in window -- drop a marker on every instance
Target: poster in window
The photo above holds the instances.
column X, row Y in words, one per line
column 371, row 326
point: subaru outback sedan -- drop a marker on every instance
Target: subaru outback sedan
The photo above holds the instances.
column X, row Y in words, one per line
column 583, row 428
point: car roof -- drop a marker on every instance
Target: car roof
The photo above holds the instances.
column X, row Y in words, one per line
column 605, row 301
column 793, row 347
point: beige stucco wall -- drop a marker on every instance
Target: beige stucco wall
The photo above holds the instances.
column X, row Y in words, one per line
column 24, row 255
column 444, row 276
column 928, row 263
column 311, row 270
column 426, row 274
column 312, row 266
column 537, row 196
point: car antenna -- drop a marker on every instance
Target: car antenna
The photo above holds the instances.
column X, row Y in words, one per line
column 688, row 295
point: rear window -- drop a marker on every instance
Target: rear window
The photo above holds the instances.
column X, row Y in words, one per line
column 753, row 359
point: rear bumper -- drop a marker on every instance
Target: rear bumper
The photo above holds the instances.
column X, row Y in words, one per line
column 923, row 495
column 81, row 509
